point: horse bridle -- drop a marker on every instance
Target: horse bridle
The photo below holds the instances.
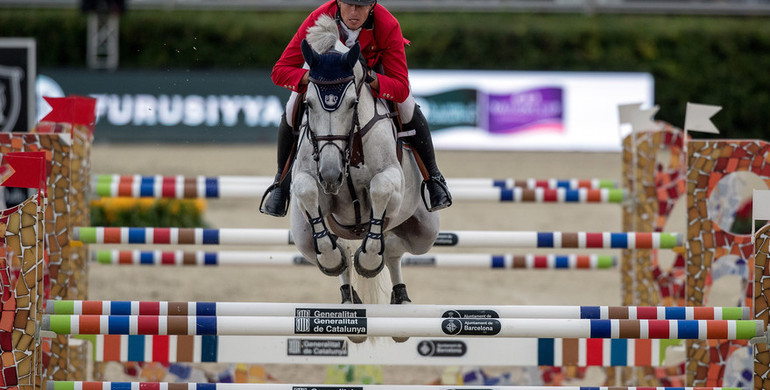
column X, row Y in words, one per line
column 329, row 139
column 355, row 127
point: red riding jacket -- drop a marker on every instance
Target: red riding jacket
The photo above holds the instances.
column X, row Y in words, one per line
column 383, row 44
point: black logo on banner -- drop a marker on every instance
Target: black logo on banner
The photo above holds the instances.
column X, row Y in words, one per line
column 446, row 239
column 11, row 98
column 17, row 84
column 329, row 313
column 418, row 260
column 316, row 347
column 299, row 260
column 470, row 327
column 323, row 325
column 441, row 348
column 470, row 314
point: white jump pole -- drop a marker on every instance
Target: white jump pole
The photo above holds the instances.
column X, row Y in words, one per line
column 403, row 327
column 280, row 309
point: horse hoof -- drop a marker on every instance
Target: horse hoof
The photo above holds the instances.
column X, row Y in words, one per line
column 399, row 296
column 357, row 339
column 349, row 295
column 367, row 273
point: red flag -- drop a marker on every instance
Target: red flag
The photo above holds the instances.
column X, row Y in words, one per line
column 78, row 110
column 28, row 170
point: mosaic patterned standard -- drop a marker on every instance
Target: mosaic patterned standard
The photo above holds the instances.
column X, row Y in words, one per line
column 709, row 162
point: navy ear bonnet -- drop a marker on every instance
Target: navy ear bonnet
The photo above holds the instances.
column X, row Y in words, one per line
column 331, row 77
column 331, row 74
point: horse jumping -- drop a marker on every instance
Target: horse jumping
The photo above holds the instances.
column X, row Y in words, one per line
column 347, row 169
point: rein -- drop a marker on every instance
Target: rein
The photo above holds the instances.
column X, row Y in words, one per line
column 354, row 136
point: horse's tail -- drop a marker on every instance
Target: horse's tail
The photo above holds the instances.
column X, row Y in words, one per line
column 374, row 290
column 324, row 35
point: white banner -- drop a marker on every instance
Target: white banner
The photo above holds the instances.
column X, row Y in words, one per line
column 548, row 111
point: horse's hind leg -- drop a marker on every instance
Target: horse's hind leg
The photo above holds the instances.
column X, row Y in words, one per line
column 398, row 295
column 348, row 293
column 416, row 235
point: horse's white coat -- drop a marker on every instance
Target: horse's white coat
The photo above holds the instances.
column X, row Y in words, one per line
column 386, row 189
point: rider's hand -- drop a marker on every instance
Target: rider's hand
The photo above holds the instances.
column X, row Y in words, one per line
column 371, row 79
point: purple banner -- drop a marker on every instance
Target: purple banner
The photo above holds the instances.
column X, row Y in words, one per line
column 534, row 109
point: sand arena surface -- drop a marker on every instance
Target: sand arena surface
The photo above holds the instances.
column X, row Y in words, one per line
column 428, row 285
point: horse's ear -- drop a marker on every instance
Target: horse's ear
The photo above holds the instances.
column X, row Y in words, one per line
column 353, row 54
column 308, row 53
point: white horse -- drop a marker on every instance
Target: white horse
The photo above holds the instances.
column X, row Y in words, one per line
column 348, row 182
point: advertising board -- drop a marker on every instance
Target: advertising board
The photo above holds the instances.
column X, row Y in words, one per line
column 494, row 110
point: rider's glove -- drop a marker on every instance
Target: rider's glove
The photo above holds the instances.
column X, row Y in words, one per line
column 371, row 75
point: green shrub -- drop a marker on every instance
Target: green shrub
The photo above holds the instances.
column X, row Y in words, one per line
column 148, row 212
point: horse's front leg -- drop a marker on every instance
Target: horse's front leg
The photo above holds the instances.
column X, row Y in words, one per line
column 311, row 236
column 385, row 192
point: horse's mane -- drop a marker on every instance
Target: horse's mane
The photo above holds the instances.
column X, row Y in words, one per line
column 323, row 36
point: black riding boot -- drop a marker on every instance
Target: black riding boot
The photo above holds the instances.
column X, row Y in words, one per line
column 422, row 143
column 277, row 202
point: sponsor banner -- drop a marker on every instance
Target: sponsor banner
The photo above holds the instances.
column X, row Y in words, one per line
column 470, row 314
column 18, row 64
column 424, row 261
column 175, row 105
column 507, row 110
column 446, row 239
column 470, row 327
column 496, row 110
column 300, row 260
column 317, row 347
column 329, row 313
column 325, row 325
column 442, row 348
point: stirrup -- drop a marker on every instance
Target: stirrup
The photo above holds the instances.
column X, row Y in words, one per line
column 275, row 208
column 439, row 181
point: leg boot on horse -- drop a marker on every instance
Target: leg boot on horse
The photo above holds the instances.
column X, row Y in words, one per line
column 421, row 142
column 275, row 201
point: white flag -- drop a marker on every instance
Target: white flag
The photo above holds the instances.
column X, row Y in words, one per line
column 698, row 118
column 761, row 205
column 638, row 119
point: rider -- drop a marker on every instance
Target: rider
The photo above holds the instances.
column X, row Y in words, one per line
column 382, row 47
